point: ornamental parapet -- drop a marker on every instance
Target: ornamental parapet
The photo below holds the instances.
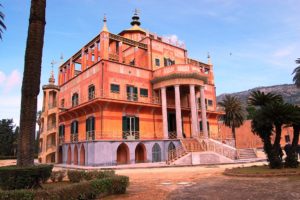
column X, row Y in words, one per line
column 182, row 74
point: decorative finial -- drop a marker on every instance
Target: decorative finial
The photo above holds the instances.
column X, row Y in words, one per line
column 104, row 24
column 52, row 79
column 135, row 18
column 208, row 58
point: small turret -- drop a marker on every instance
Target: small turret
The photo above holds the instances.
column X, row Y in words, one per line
column 104, row 28
column 52, row 79
column 135, row 19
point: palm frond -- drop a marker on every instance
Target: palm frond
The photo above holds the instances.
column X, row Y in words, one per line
column 258, row 98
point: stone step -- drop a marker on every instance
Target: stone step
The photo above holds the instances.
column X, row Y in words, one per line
column 246, row 153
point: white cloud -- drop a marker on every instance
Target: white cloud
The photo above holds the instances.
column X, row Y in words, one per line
column 173, row 39
column 283, row 52
column 9, row 82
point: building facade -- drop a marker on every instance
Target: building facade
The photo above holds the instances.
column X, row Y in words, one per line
column 132, row 97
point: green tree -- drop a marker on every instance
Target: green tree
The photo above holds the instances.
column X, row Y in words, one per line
column 250, row 112
column 7, row 137
column 234, row 114
column 31, row 82
column 296, row 73
column 292, row 157
column 270, row 115
column 2, row 25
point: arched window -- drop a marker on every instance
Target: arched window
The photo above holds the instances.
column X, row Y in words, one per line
column 61, row 134
column 91, row 92
column 156, row 153
column 90, row 128
column 75, row 99
column 62, row 103
column 171, row 151
column 74, row 131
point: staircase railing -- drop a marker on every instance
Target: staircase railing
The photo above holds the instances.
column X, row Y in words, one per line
column 175, row 154
column 218, row 147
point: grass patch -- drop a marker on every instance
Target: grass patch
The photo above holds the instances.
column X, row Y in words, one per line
column 258, row 171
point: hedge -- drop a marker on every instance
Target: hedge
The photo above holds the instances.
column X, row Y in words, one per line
column 111, row 185
column 84, row 190
column 8, row 157
column 76, row 176
column 13, row 177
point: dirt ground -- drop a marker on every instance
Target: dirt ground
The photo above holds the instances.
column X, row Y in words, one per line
column 204, row 182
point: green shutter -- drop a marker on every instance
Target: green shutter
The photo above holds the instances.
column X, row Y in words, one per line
column 93, row 123
column 76, row 123
column 137, row 124
column 124, row 123
column 201, row 126
column 87, row 125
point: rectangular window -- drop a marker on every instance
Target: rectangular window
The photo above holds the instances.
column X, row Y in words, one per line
column 132, row 93
column 287, row 138
column 210, row 102
column 130, row 127
column 143, row 92
column 157, row 62
column 114, row 88
column 168, row 62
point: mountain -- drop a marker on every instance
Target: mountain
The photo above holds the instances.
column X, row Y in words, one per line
column 289, row 92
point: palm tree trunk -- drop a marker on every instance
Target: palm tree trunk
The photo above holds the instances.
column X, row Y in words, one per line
column 233, row 135
column 292, row 157
column 31, row 82
column 276, row 147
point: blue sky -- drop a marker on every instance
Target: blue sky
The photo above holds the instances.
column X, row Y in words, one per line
column 251, row 42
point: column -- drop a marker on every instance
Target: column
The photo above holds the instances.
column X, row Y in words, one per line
column 193, row 111
column 178, row 112
column 203, row 112
column 164, row 112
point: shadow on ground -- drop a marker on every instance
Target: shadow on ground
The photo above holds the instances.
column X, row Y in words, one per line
column 229, row 188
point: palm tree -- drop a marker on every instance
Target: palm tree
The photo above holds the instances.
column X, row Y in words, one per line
column 234, row 115
column 292, row 157
column 31, row 82
column 271, row 114
column 259, row 99
column 296, row 73
column 2, row 25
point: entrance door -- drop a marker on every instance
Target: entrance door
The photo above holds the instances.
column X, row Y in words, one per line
column 172, row 126
column 130, row 127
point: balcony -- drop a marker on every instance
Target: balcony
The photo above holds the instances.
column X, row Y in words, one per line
column 51, row 127
column 90, row 135
column 113, row 57
column 131, row 135
column 183, row 72
column 51, row 146
column 74, row 137
column 52, row 105
column 61, row 139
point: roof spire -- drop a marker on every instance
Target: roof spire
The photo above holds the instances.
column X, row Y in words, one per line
column 104, row 28
column 135, row 18
column 52, row 79
column 208, row 59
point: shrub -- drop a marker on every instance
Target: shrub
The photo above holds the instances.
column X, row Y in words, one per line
column 111, row 185
column 82, row 190
column 13, row 177
column 57, row 176
column 75, row 176
column 119, row 184
column 105, row 174
column 89, row 175
column 16, row 195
